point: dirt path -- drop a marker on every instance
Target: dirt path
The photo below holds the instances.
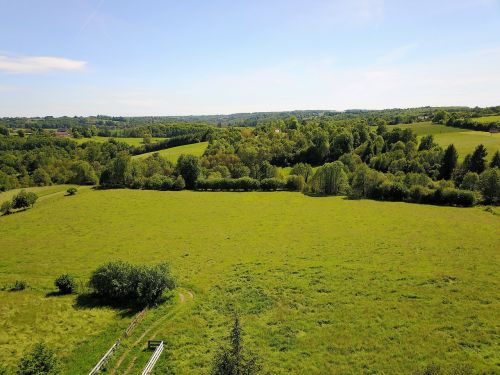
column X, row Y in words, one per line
column 152, row 331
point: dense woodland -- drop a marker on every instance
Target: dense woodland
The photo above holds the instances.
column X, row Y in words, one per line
column 362, row 154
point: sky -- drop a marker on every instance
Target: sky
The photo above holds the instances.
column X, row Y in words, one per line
column 165, row 57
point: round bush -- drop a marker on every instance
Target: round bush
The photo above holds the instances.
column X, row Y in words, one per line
column 66, row 284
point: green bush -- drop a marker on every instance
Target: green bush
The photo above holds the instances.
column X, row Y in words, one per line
column 66, row 284
column 295, row 183
column 24, row 200
column 120, row 281
column 272, row 184
column 19, row 285
column 6, row 207
column 41, row 360
column 179, row 183
column 72, row 191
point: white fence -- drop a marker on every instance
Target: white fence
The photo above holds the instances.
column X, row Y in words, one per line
column 104, row 359
column 152, row 361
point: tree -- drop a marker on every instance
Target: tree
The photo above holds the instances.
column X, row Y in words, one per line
column 83, row 173
column 233, row 360
column 188, row 166
column 330, row 179
column 470, row 181
column 441, row 117
column 489, row 185
column 495, row 162
column 21, row 133
column 179, row 183
column 302, row 169
column 477, row 162
column 66, row 284
column 4, row 131
column 342, row 144
column 448, row 163
column 24, row 200
column 41, row 360
column 426, row 143
column 72, row 191
column 41, row 177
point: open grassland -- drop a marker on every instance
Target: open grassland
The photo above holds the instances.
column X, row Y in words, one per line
column 129, row 141
column 464, row 140
column 43, row 192
column 487, row 119
column 323, row 285
column 173, row 153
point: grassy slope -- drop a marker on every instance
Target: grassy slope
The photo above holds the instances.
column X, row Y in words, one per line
column 324, row 285
column 464, row 140
column 129, row 141
column 173, row 153
column 487, row 119
column 42, row 191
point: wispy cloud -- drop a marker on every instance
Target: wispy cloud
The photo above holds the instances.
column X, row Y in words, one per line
column 397, row 54
column 39, row 64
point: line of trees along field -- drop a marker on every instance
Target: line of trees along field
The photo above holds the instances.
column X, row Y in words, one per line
column 326, row 156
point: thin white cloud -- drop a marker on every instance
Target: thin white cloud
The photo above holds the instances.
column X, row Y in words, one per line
column 397, row 54
column 38, row 64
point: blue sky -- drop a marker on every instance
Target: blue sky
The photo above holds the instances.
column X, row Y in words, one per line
column 85, row 57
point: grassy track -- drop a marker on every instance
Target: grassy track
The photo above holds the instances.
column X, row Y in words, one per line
column 173, row 153
column 41, row 191
column 464, row 140
column 323, row 285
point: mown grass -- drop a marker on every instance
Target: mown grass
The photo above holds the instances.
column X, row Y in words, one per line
column 173, row 153
column 323, row 285
column 464, row 140
column 129, row 141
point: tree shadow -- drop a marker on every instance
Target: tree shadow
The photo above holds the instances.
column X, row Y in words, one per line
column 92, row 301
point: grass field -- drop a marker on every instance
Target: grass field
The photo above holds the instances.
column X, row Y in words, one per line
column 464, row 140
column 323, row 285
column 173, row 153
column 487, row 119
column 129, row 141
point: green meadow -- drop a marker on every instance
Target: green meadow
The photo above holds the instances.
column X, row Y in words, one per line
column 129, row 141
column 173, row 153
column 464, row 140
column 487, row 119
column 322, row 285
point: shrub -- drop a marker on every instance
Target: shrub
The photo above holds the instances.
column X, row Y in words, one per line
column 72, row 191
column 158, row 182
column 41, row 360
column 19, row 285
column 120, row 281
column 24, row 200
column 6, row 207
column 66, row 284
column 272, row 184
column 295, row 183
column 179, row 183
column 489, row 185
column 470, row 181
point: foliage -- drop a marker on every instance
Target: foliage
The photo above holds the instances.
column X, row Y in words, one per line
column 72, row 191
column 188, row 166
column 233, row 360
column 24, row 199
column 19, row 285
column 65, row 283
column 40, row 360
column 179, row 183
column 330, row 179
column 124, row 282
column 489, row 185
column 449, row 162
column 6, row 207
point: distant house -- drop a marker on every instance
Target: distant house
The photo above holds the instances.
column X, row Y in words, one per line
column 62, row 133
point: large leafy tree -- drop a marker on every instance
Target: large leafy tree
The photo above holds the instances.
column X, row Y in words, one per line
column 188, row 166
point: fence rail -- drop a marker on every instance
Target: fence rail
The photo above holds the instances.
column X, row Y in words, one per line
column 152, row 361
column 105, row 358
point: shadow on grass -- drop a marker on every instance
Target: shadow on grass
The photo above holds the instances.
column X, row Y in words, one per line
column 125, row 308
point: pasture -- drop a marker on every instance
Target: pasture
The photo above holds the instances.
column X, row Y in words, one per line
column 173, row 153
column 464, row 140
column 130, row 141
column 323, row 285
column 487, row 119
